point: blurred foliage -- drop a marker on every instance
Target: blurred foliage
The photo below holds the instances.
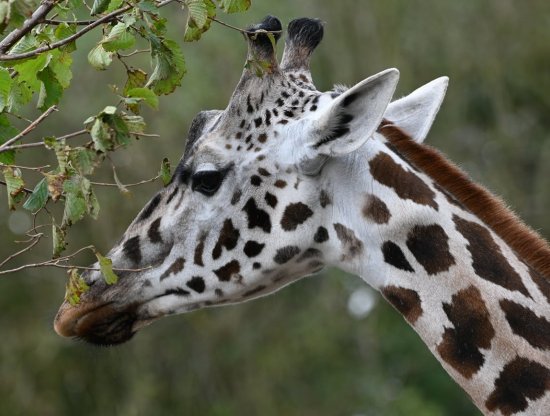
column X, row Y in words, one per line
column 298, row 352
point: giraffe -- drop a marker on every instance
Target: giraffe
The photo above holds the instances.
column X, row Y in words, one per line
column 287, row 180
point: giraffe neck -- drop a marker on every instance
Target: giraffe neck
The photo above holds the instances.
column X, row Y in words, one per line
column 479, row 308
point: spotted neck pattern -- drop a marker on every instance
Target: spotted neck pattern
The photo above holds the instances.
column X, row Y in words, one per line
column 287, row 180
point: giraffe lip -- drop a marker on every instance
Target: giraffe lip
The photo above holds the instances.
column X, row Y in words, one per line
column 99, row 324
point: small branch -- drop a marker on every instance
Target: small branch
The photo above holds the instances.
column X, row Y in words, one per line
column 69, row 39
column 126, row 186
column 52, row 263
column 243, row 31
column 107, row 18
column 29, row 128
column 74, row 22
column 133, row 53
column 35, row 239
column 42, row 144
column 26, row 190
column 35, row 168
column 37, row 17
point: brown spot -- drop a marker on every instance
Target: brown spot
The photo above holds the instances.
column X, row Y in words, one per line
column 253, row 248
column 294, row 215
column 262, row 138
column 257, row 217
column 406, row 184
column 197, row 284
column 229, row 236
column 376, row 210
column 279, row 183
column 270, row 199
column 429, row 245
column 132, row 249
column 153, row 232
column 542, row 283
column 175, row 268
column 321, row 235
column 324, row 199
column 487, row 259
column 394, row 255
column 519, row 380
column 284, row 254
column 526, row 324
column 471, row 331
column 309, row 253
column 263, row 172
column 225, row 272
column 197, row 259
column 351, row 244
column 406, row 301
column 255, row 180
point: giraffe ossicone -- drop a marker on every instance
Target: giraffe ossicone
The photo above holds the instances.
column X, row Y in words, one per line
column 288, row 179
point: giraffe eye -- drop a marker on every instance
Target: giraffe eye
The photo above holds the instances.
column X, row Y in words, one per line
column 207, row 182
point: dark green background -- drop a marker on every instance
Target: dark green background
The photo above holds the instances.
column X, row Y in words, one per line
column 298, row 352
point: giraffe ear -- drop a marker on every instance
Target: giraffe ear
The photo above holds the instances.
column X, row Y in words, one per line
column 416, row 112
column 348, row 121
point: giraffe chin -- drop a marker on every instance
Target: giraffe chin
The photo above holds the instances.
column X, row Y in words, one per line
column 102, row 325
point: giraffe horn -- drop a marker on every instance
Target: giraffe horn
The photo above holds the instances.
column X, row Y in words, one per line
column 262, row 38
column 304, row 35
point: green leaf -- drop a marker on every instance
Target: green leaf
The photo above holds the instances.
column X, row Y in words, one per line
column 99, row 58
column 193, row 30
column 14, row 185
column 101, row 136
column 168, row 63
column 115, row 4
column 145, row 94
column 164, row 172
column 5, row 87
column 63, row 31
column 75, row 201
column 7, row 131
column 106, row 267
column 99, row 6
column 84, row 160
column 120, row 130
column 37, row 200
column 198, row 12
column 51, row 90
column 119, row 38
column 147, row 6
column 61, row 68
column 76, row 287
column 28, row 71
column 20, row 95
column 136, row 79
column 235, row 6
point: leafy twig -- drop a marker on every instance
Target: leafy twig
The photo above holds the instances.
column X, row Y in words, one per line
column 243, row 31
column 29, row 128
column 41, row 144
column 74, row 22
column 37, row 17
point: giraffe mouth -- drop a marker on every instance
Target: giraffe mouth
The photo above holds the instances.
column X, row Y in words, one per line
column 102, row 324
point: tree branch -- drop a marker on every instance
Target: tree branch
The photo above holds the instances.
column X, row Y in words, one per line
column 36, row 18
column 29, row 128
column 35, row 239
column 41, row 144
column 55, row 45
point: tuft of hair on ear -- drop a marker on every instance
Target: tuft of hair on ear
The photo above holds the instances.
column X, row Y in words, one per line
column 304, row 35
column 262, row 38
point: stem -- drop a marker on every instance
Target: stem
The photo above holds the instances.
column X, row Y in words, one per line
column 26, row 190
column 29, row 128
column 35, row 239
column 126, row 186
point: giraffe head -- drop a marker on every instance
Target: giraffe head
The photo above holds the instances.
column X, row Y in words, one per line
column 247, row 209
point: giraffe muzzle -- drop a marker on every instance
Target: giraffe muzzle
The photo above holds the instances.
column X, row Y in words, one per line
column 99, row 324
